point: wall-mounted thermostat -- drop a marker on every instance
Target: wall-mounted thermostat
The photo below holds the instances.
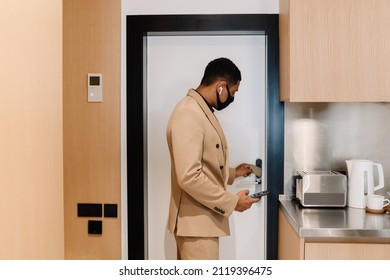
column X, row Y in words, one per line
column 95, row 82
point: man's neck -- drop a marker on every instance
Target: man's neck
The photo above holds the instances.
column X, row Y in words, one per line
column 205, row 100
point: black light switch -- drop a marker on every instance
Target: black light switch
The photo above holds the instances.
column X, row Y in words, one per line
column 89, row 210
column 95, row 227
column 110, row 210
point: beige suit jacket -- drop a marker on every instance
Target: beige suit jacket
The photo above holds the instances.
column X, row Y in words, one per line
column 199, row 204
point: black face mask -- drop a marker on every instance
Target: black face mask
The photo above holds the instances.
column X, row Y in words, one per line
column 223, row 105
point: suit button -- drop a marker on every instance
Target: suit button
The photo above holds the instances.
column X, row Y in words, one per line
column 221, row 167
column 217, row 146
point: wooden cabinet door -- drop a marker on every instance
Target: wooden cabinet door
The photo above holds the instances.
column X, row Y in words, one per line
column 346, row 251
column 335, row 50
column 290, row 245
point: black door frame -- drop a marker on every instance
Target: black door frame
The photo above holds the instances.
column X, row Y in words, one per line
column 137, row 27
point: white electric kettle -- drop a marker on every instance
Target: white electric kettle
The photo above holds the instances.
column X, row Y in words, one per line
column 361, row 181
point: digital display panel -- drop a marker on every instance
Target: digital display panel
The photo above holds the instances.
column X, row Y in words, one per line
column 94, row 81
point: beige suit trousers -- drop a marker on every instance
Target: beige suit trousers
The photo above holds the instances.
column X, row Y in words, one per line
column 197, row 248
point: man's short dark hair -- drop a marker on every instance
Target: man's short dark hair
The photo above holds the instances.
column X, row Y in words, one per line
column 221, row 69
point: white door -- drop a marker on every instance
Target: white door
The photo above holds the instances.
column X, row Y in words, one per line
column 175, row 64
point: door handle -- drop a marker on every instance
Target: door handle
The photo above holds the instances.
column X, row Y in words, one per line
column 259, row 163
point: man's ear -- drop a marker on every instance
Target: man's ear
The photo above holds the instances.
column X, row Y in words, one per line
column 220, row 86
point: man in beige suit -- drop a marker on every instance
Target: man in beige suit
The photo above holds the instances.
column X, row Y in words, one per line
column 200, row 205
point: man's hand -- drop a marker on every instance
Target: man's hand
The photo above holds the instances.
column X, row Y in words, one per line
column 244, row 201
column 243, row 169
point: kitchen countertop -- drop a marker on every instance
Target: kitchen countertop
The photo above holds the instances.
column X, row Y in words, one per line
column 337, row 224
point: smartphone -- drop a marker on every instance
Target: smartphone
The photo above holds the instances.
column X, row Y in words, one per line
column 259, row 194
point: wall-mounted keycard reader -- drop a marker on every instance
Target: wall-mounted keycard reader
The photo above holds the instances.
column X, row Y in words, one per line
column 95, row 84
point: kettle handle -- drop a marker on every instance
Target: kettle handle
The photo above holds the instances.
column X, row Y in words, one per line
column 380, row 176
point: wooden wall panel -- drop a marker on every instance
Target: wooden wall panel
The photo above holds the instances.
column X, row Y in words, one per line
column 91, row 130
column 31, row 158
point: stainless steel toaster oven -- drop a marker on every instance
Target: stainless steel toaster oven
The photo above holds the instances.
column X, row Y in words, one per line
column 321, row 189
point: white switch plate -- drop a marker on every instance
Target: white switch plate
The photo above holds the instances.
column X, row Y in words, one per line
column 95, row 85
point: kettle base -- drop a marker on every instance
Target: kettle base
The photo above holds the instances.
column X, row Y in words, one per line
column 357, row 206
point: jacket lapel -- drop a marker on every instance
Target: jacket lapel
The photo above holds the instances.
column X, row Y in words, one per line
column 211, row 117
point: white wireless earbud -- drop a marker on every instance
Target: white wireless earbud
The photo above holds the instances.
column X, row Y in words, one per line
column 220, row 90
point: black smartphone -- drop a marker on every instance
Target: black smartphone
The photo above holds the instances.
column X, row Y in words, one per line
column 259, row 194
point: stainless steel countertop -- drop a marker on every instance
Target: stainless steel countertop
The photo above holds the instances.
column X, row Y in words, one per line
column 338, row 224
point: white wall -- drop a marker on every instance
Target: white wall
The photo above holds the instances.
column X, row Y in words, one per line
column 145, row 7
